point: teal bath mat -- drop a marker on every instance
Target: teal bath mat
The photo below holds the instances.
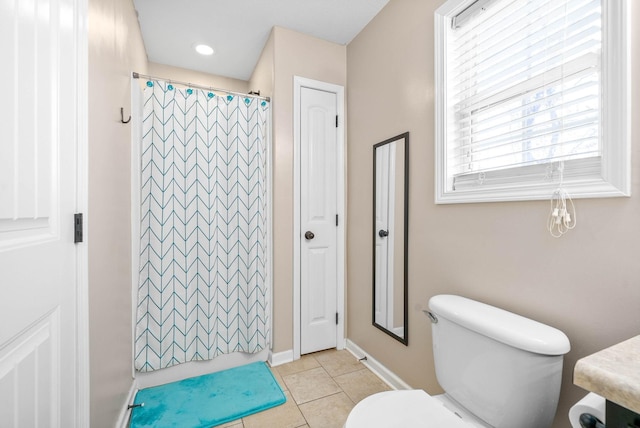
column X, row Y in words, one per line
column 209, row 400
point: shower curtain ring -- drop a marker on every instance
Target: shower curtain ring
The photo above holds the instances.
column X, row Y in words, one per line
column 122, row 116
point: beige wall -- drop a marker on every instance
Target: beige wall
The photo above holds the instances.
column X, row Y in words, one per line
column 586, row 283
column 197, row 77
column 288, row 54
column 115, row 49
column 263, row 75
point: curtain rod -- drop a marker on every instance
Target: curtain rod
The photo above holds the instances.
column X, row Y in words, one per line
column 191, row 85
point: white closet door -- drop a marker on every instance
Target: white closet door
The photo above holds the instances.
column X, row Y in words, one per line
column 318, row 198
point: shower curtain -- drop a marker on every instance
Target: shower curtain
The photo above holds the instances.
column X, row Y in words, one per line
column 202, row 287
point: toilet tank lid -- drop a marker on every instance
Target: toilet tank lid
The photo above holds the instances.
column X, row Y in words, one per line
column 504, row 326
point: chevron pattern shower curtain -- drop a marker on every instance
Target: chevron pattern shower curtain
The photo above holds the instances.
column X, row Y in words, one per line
column 202, row 286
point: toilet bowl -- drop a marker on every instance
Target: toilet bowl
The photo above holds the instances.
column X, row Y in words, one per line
column 498, row 370
column 402, row 409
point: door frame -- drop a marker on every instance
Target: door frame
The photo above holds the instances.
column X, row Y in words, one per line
column 298, row 84
column 83, row 400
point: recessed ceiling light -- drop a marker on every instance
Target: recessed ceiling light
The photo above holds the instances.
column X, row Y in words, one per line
column 204, row 49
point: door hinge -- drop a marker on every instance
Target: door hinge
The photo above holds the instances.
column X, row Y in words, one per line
column 336, row 318
column 336, row 219
column 336, row 120
column 77, row 228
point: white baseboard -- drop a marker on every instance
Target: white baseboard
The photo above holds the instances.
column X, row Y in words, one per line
column 377, row 368
column 123, row 417
column 280, row 357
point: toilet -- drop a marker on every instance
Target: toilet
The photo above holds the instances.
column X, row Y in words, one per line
column 498, row 370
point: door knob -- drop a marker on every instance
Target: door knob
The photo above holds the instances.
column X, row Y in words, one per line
column 308, row 235
column 383, row 233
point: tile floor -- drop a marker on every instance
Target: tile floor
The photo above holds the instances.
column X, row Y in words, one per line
column 321, row 390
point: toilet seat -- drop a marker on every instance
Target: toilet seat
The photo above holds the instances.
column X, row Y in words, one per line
column 401, row 409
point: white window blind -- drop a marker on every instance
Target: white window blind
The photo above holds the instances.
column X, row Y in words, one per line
column 522, row 97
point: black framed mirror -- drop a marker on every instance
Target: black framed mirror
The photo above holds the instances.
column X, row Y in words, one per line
column 390, row 236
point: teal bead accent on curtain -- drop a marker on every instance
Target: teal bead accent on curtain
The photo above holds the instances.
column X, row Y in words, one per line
column 202, row 288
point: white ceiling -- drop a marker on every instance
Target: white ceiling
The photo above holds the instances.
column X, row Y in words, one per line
column 239, row 29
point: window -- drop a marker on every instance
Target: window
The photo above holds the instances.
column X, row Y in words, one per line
column 531, row 94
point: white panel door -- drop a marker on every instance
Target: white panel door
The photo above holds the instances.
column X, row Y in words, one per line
column 38, row 190
column 318, row 210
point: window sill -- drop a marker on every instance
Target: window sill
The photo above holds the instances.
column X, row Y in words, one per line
column 590, row 189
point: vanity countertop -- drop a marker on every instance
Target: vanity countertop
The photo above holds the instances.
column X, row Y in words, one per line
column 613, row 373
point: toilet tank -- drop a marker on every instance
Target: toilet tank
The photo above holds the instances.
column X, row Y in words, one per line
column 504, row 368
